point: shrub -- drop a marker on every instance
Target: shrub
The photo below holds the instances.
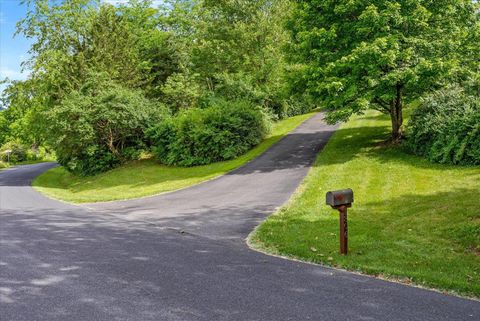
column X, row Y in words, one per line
column 203, row 136
column 445, row 128
column 100, row 126
column 21, row 152
column 292, row 107
column 18, row 152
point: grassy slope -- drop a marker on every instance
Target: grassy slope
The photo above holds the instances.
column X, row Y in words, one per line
column 147, row 177
column 411, row 220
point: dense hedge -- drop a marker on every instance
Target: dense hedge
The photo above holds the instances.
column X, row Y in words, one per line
column 100, row 126
column 202, row 136
column 445, row 128
column 292, row 107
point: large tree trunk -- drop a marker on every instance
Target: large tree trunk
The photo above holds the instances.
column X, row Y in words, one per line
column 396, row 115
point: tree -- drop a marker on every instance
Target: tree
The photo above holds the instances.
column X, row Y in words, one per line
column 74, row 37
column 22, row 119
column 234, row 47
column 378, row 54
column 3, row 127
column 100, row 125
column 470, row 55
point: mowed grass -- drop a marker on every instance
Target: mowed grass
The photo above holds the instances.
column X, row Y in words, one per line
column 412, row 220
column 148, row 177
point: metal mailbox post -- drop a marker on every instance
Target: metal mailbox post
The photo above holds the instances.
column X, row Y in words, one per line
column 341, row 200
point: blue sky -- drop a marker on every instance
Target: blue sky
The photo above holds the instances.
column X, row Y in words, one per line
column 12, row 50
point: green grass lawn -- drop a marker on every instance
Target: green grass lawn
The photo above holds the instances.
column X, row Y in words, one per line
column 147, row 177
column 412, row 220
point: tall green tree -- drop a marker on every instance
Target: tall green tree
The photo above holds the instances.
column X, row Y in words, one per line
column 160, row 54
column 470, row 55
column 379, row 54
column 73, row 38
column 235, row 47
column 22, row 120
column 3, row 127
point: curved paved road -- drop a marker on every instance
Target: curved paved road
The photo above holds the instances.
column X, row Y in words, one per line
column 182, row 256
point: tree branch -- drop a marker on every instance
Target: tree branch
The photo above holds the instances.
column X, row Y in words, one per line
column 384, row 106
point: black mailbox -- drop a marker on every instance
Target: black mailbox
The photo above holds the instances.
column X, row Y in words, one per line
column 339, row 198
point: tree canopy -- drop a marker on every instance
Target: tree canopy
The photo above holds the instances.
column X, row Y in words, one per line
column 279, row 58
column 178, row 56
column 381, row 54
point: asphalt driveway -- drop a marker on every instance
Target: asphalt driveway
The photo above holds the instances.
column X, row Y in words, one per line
column 182, row 255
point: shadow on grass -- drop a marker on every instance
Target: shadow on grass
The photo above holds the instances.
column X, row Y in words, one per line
column 351, row 143
column 433, row 239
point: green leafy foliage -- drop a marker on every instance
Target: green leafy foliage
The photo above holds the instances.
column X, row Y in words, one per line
column 146, row 176
column 3, row 127
column 235, row 48
column 291, row 107
column 381, row 54
column 181, row 92
column 183, row 55
column 71, row 39
column 203, row 136
column 446, row 128
column 76, row 36
column 22, row 120
column 14, row 152
column 100, row 126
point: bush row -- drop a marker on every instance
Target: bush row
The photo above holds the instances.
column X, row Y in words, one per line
column 16, row 152
column 445, row 128
column 103, row 124
column 202, row 136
